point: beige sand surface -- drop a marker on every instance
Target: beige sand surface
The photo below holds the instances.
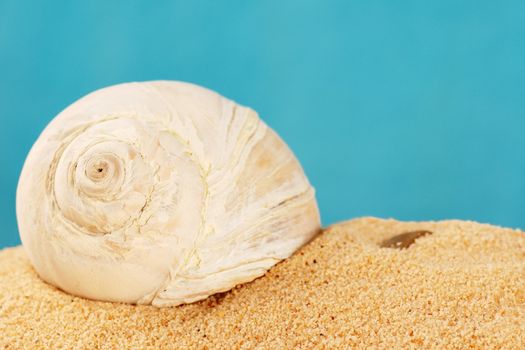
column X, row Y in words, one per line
column 461, row 287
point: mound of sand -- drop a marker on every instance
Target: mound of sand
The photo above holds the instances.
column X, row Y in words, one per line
column 463, row 286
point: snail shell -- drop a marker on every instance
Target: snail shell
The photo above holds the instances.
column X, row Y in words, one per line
column 160, row 193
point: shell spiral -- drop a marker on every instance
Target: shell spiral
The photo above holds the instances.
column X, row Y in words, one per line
column 160, row 193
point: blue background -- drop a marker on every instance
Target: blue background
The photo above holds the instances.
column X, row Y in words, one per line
column 405, row 109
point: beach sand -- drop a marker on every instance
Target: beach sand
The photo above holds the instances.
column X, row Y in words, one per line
column 461, row 287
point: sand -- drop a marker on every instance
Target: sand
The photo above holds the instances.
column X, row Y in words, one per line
column 461, row 287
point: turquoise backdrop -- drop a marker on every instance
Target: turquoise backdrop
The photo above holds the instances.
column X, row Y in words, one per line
column 405, row 109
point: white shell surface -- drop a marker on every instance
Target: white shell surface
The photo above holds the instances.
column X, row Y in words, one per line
column 160, row 193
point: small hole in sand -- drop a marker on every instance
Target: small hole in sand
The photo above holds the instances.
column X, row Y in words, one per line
column 404, row 240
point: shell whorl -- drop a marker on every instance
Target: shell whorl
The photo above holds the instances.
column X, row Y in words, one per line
column 160, row 193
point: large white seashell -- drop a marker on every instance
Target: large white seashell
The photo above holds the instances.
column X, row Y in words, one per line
column 160, row 193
